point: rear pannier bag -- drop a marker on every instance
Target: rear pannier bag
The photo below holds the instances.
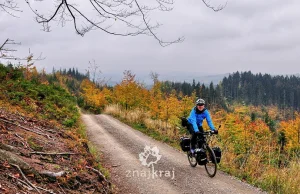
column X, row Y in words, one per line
column 218, row 153
column 185, row 143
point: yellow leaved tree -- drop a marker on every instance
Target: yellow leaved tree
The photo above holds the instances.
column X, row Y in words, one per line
column 170, row 111
column 187, row 103
column 93, row 97
column 129, row 93
column 156, row 98
column 291, row 129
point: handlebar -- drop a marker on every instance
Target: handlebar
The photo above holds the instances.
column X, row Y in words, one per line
column 211, row 132
column 214, row 132
column 208, row 133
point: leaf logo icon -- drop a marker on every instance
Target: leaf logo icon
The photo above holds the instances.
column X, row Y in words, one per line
column 152, row 153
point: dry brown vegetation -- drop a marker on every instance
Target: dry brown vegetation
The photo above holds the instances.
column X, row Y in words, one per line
column 39, row 157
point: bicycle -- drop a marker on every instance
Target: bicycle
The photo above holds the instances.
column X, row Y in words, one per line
column 204, row 154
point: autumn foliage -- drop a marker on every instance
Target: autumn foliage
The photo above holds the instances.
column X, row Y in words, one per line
column 259, row 144
column 94, row 99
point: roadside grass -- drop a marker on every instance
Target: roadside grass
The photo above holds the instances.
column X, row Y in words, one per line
column 97, row 156
column 141, row 122
column 81, row 131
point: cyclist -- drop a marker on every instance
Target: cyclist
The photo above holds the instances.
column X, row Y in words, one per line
column 195, row 120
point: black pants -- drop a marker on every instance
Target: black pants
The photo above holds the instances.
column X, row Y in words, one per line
column 194, row 135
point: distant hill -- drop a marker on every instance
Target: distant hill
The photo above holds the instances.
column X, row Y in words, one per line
column 174, row 76
column 114, row 78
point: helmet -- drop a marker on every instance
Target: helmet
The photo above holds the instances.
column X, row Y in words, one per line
column 200, row 101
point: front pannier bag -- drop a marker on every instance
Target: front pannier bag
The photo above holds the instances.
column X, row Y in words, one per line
column 201, row 156
column 185, row 143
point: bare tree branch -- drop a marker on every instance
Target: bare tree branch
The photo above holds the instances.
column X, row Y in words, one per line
column 110, row 12
column 98, row 173
column 154, row 76
column 25, row 128
column 133, row 14
column 10, row 7
column 216, row 9
column 161, row 42
column 23, row 175
column 5, row 52
column 44, row 153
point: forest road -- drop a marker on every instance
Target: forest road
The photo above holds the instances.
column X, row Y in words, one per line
column 166, row 170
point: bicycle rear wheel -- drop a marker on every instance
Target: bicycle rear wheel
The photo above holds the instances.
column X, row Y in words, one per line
column 211, row 165
column 192, row 159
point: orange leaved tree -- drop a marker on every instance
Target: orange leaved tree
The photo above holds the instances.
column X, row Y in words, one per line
column 129, row 93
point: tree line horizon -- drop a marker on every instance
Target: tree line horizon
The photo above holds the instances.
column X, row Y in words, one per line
column 238, row 87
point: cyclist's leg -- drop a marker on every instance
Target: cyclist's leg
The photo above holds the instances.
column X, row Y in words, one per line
column 201, row 137
column 200, row 128
column 193, row 141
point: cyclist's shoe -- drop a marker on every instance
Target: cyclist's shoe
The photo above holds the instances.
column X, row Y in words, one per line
column 192, row 151
column 214, row 131
column 199, row 150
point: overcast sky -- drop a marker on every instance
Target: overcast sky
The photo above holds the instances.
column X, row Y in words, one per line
column 256, row 35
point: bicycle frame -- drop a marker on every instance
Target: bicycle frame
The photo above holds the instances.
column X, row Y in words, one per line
column 203, row 140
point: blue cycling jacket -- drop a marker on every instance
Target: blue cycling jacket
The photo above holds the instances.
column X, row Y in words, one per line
column 196, row 118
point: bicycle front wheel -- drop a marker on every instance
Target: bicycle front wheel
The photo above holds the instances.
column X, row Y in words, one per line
column 211, row 165
column 192, row 159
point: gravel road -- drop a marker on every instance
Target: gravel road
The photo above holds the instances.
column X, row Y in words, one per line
column 169, row 170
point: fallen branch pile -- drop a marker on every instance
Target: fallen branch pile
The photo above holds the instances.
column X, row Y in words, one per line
column 36, row 158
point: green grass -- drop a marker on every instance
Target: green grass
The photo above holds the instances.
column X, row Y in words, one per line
column 81, row 131
column 96, row 155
